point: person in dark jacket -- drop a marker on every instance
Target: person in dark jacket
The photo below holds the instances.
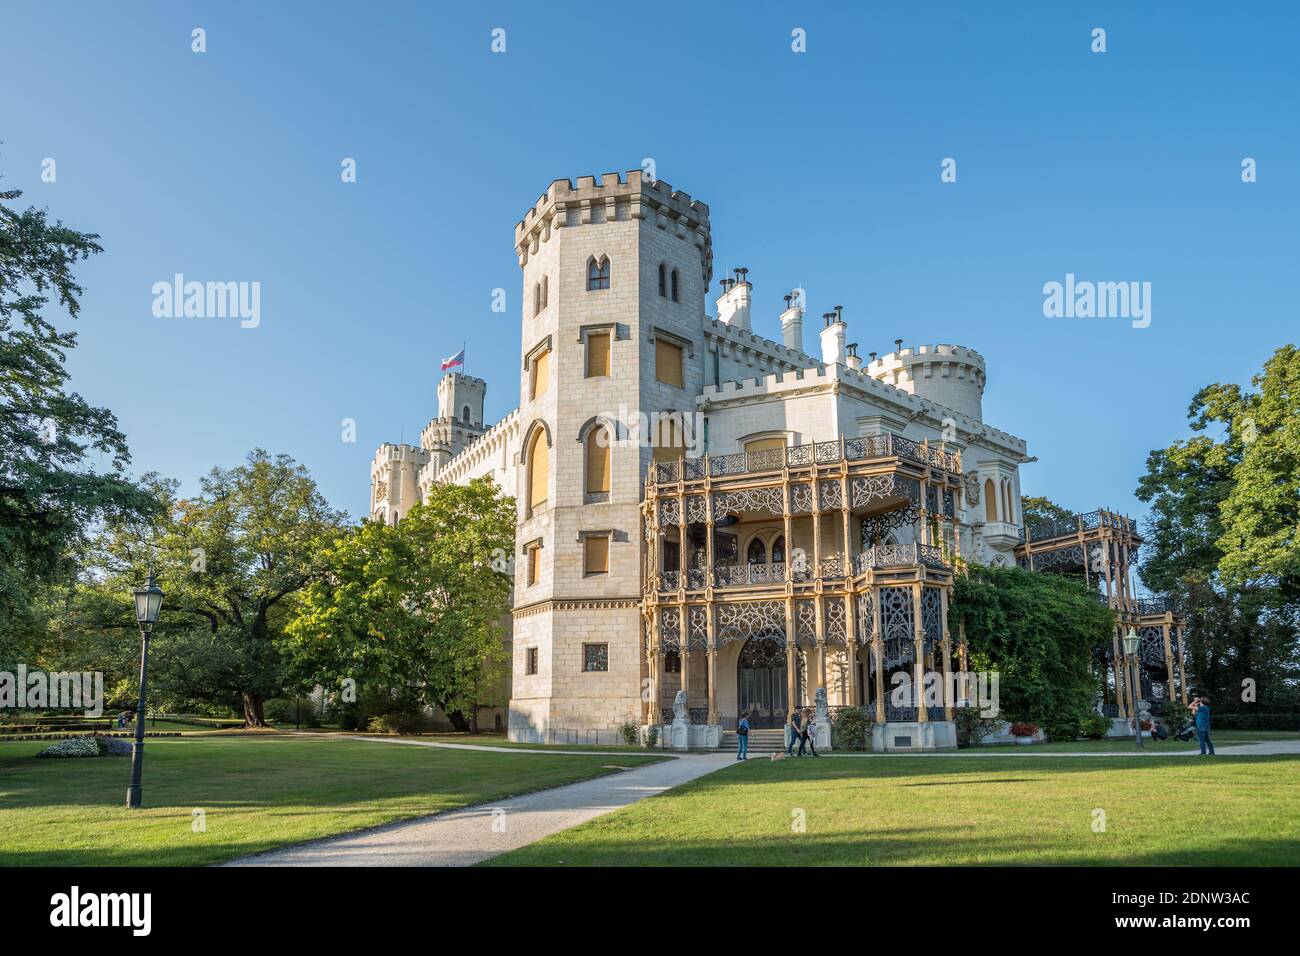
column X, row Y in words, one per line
column 1203, row 727
column 795, row 731
column 742, row 738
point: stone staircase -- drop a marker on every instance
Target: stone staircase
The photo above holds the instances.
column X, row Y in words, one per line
column 760, row 741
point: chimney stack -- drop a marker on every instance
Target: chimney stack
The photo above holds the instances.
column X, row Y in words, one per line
column 792, row 324
column 851, row 359
column 833, row 350
column 733, row 304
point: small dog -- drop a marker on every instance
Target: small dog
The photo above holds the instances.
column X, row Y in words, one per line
column 780, row 755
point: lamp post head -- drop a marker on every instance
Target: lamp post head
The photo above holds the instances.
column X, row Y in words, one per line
column 1131, row 642
column 148, row 602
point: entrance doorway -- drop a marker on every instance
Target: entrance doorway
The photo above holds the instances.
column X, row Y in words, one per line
column 761, row 680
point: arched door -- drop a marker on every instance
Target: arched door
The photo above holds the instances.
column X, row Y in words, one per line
column 761, row 682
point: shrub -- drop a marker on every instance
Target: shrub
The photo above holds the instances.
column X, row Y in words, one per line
column 973, row 727
column 630, row 731
column 1064, row 726
column 1095, row 726
column 652, row 736
column 399, row 722
column 89, row 746
column 1023, row 730
column 851, row 728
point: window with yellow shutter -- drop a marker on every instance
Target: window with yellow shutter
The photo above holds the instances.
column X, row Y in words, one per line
column 668, row 363
column 763, row 444
column 597, row 354
column 595, row 550
column 541, row 373
column 537, row 470
column 669, row 441
column 598, row 461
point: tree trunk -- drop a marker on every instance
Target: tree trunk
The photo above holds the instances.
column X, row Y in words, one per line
column 458, row 721
column 253, row 715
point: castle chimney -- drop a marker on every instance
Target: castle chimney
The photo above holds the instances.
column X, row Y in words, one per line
column 833, row 351
column 851, row 359
column 792, row 324
column 898, row 345
column 733, row 304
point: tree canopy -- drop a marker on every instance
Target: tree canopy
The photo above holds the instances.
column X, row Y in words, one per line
column 416, row 605
column 51, row 494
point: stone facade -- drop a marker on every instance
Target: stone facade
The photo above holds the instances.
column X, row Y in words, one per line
column 631, row 259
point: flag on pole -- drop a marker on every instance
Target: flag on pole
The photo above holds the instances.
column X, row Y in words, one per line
column 455, row 360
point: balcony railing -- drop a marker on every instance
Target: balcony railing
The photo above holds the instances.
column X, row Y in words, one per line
column 800, row 456
column 899, row 556
column 1044, row 528
column 832, row 567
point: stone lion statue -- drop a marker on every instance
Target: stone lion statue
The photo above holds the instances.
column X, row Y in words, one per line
column 819, row 705
column 679, row 707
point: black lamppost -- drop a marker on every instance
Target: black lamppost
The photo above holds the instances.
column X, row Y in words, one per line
column 1131, row 645
column 148, row 602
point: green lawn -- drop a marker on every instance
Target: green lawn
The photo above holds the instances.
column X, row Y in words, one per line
column 1221, row 738
column 1159, row 811
column 256, row 793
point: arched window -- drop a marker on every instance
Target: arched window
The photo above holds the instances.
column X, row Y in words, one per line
column 778, row 550
column 663, row 280
column 990, row 500
column 675, row 285
column 1008, row 514
column 757, row 552
column 597, row 460
column 464, row 414
column 597, row 273
column 538, row 466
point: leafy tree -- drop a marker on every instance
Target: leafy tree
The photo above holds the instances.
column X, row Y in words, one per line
column 1038, row 631
column 231, row 561
column 1217, row 539
column 1038, row 510
column 51, row 496
column 415, row 606
column 1261, row 513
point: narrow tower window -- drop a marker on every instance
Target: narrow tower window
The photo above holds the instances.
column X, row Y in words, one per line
column 597, row 273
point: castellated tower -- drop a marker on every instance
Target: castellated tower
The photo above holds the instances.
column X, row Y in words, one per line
column 394, row 481
column 951, row 375
column 459, row 421
column 615, row 273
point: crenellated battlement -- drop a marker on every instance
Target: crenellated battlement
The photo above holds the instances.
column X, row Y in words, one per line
column 617, row 197
column 389, row 453
column 952, row 375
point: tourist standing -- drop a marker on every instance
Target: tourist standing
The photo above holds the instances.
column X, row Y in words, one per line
column 1203, row 727
column 742, row 738
column 803, row 733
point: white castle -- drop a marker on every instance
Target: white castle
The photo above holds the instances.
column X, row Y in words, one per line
column 705, row 509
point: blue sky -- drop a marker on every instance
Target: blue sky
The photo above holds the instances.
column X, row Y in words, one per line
column 820, row 168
